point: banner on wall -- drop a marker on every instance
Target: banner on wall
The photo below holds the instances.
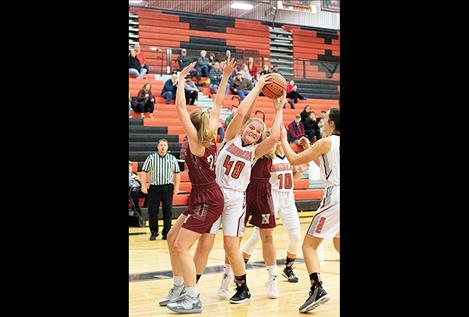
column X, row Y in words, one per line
column 330, row 5
column 296, row 5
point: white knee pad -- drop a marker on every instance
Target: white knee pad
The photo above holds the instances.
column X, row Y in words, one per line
column 294, row 237
column 250, row 245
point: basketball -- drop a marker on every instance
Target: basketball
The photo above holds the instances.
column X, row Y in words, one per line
column 276, row 88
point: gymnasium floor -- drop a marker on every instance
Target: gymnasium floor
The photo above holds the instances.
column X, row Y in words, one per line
column 150, row 279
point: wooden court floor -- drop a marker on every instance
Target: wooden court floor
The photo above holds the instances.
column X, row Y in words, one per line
column 150, row 279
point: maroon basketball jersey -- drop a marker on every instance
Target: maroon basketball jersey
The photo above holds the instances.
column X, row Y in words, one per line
column 261, row 170
column 202, row 169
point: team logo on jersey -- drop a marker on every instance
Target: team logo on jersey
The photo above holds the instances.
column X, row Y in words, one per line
column 265, row 219
column 233, row 149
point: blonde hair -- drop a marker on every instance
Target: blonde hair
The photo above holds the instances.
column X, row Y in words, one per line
column 264, row 135
column 201, row 122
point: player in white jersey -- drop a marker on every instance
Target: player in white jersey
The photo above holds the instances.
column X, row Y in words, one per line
column 233, row 172
column 284, row 208
column 326, row 222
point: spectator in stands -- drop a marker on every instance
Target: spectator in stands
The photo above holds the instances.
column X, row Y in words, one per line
column 311, row 127
column 245, row 72
column 305, row 113
column 230, row 117
column 227, row 56
column 265, row 70
column 215, row 77
column 169, row 89
column 240, row 86
column 137, row 189
column 275, row 69
column 220, row 133
column 292, row 92
column 211, row 62
column 183, row 59
column 191, row 90
column 141, row 57
column 252, row 68
column 296, row 131
column 134, row 65
column 145, row 101
column 202, row 64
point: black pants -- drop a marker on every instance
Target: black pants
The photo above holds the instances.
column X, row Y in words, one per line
column 157, row 194
column 135, row 196
column 142, row 107
column 294, row 95
column 310, row 133
column 191, row 96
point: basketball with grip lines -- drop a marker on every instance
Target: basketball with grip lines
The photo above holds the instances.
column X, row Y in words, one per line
column 276, row 88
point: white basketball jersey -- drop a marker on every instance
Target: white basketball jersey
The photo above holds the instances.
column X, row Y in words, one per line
column 281, row 174
column 329, row 163
column 234, row 164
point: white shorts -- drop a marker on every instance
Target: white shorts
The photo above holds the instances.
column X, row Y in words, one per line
column 326, row 222
column 234, row 212
column 285, row 209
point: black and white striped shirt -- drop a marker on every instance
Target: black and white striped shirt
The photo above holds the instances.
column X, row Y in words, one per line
column 161, row 168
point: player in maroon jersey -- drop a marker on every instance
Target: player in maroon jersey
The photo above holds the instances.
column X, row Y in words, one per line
column 205, row 200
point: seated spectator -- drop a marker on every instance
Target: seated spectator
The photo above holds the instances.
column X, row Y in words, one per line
column 211, row 62
column 292, row 92
column 227, row 56
column 296, row 131
column 215, row 77
column 230, row 117
column 255, row 79
column 202, row 64
column 245, row 72
column 183, row 59
column 220, row 134
column 145, row 101
column 265, row 70
column 305, row 113
column 275, row 69
column 141, row 57
column 134, row 65
column 191, row 91
column 312, row 128
column 136, row 189
column 251, row 67
column 240, row 86
column 169, row 89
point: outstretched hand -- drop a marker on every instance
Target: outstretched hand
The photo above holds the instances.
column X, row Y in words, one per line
column 280, row 102
column 264, row 80
column 228, row 66
column 187, row 69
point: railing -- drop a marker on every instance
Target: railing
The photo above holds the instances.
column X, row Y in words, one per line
column 301, row 66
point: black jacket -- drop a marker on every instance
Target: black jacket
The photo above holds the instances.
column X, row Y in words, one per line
column 310, row 124
column 134, row 63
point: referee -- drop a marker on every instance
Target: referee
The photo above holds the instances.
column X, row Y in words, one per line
column 164, row 182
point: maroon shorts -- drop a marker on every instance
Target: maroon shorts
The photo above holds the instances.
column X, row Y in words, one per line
column 259, row 205
column 205, row 207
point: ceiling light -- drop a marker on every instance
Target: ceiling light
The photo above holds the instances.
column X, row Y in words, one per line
column 135, row 1
column 241, row 5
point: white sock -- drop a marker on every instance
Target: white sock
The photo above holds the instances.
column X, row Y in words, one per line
column 272, row 269
column 192, row 291
column 228, row 270
column 178, row 280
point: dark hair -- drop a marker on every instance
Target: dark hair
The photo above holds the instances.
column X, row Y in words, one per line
column 334, row 116
column 163, row 140
column 304, row 109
